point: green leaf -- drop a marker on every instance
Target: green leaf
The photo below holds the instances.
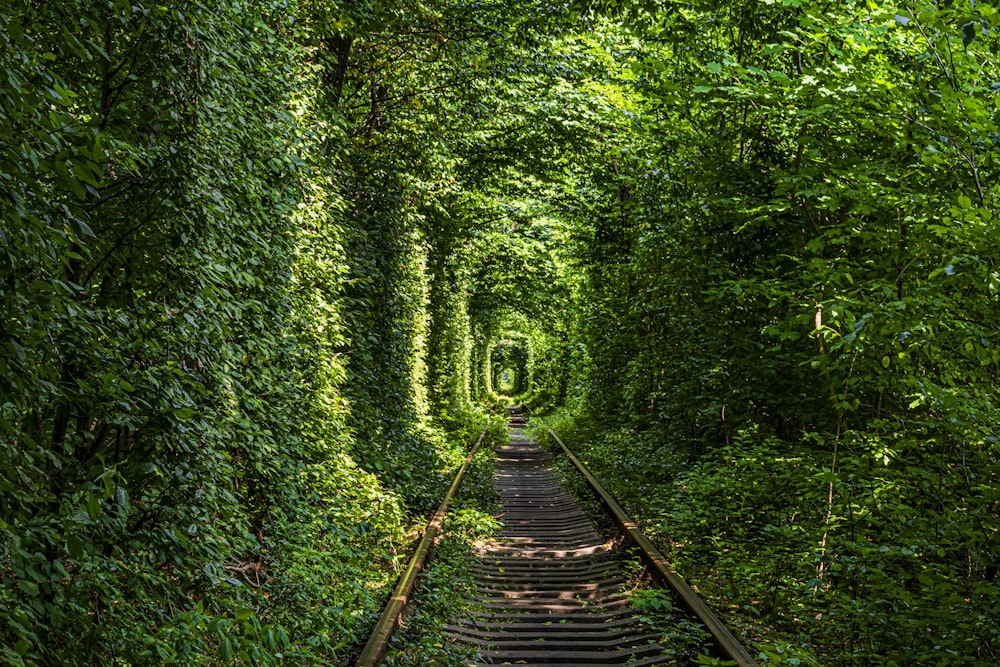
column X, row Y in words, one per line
column 93, row 505
column 83, row 228
column 60, row 569
column 75, row 546
column 226, row 648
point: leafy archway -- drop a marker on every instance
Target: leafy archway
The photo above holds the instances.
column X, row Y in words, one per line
column 508, row 363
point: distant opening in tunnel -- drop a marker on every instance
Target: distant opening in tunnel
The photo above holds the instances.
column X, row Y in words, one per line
column 508, row 368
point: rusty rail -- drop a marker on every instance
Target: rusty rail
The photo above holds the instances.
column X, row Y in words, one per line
column 663, row 572
column 389, row 621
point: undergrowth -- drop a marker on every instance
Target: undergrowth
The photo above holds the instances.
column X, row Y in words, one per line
column 446, row 588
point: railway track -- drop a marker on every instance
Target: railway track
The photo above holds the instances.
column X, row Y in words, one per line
column 550, row 590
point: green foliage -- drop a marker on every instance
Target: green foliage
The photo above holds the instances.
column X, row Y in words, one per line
column 446, row 588
column 266, row 268
column 683, row 638
column 145, row 274
column 188, row 357
column 786, row 317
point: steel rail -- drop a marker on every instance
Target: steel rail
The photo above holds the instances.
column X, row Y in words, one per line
column 662, row 571
column 389, row 621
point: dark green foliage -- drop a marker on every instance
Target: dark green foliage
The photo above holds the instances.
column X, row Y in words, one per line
column 145, row 277
column 787, row 319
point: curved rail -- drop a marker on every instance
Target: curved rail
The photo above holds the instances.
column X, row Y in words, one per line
column 663, row 572
column 389, row 621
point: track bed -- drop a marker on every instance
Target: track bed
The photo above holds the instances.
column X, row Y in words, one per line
column 549, row 589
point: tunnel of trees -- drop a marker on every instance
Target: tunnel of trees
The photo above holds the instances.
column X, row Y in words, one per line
column 509, row 369
column 269, row 266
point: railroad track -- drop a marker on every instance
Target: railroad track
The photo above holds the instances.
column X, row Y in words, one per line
column 550, row 589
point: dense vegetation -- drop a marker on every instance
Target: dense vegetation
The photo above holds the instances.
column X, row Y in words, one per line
column 267, row 266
